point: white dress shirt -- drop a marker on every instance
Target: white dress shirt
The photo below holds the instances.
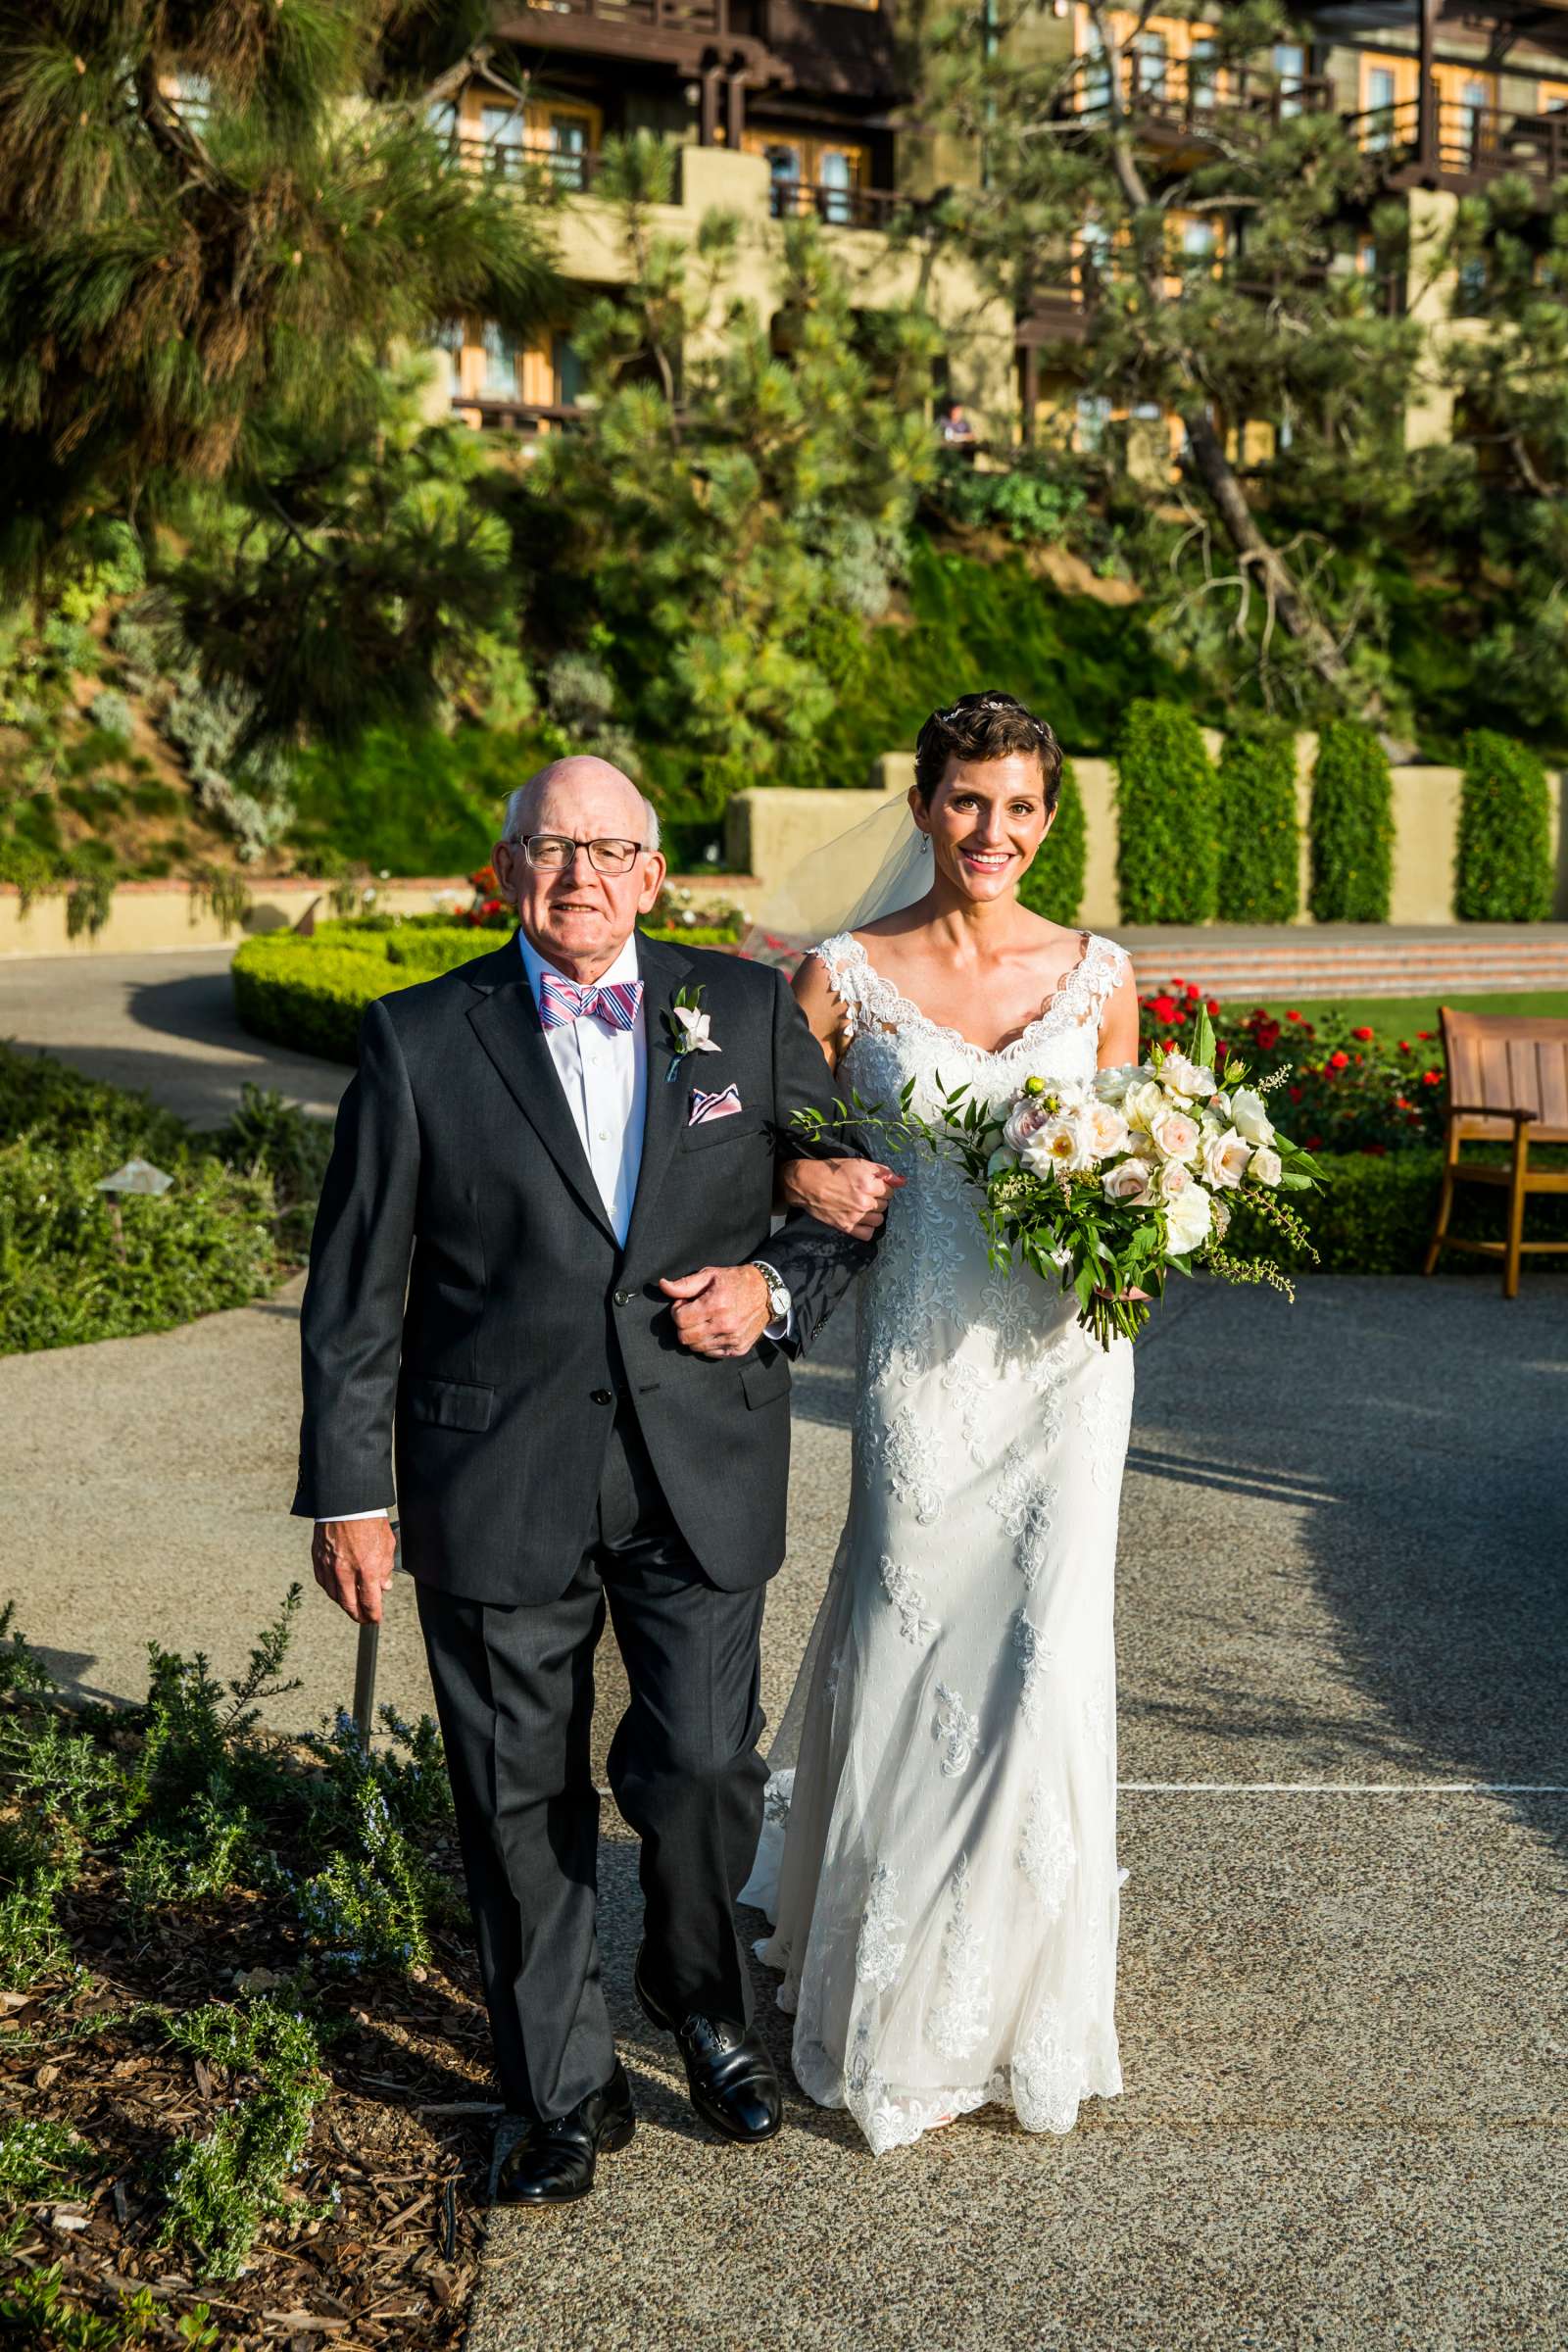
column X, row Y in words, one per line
column 603, row 1076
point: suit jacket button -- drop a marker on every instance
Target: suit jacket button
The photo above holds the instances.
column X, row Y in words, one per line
column 624, row 1297
column 604, row 1396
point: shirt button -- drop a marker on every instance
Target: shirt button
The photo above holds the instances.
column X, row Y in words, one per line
column 603, row 1397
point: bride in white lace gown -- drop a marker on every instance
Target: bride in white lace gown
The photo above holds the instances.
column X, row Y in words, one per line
column 941, row 1861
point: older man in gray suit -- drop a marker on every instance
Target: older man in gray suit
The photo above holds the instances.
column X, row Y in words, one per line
column 543, row 1272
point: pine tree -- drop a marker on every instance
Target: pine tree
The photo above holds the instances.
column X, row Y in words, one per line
column 219, row 221
column 1270, row 323
column 733, row 507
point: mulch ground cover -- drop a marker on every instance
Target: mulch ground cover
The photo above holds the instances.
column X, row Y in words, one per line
column 385, row 2246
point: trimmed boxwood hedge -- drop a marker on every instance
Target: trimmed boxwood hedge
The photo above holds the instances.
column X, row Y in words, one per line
column 1164, row 817
column 1257, row 877
column 1053, row 886
column 1351, row 826
column 1376, row 1215
column 1502, row 865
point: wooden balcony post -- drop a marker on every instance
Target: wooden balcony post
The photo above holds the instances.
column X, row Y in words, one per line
column 735, row 108
column 709, row 127
column 1428, row 125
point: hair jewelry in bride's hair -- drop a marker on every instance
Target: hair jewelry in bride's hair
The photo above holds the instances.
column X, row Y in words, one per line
column 985, row 726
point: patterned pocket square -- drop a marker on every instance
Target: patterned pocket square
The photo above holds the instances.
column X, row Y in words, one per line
column 706, row 1107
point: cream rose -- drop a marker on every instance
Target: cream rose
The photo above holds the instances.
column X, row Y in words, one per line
column 1107, row 1128
column 1180, row 1076
column 1128, row 1180
column 1025, row 1119
column 1251, row 1118
column 1062, row 1147
column 1144, row 1101
column 1225, row 1158
column 1266, row 1164
column 1174, row 1178
column 1175, row 1135
column 1112, row 1085
column 1187, row 1220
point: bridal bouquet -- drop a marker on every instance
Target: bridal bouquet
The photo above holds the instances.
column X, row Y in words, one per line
column 1107, row 1185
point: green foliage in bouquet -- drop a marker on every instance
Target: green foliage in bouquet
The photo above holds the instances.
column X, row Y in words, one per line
column 1502, row 865
column 1053, row 885
column 1165, row 817
column 1258, row 878
column 1351, row 826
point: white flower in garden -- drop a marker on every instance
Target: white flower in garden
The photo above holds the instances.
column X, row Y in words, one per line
column 1266, row 1164
column 1128, row 1180
column 1175, row 1134
column 1187, row 1220
column 1106, row 1127
column 1174, row 1178
column 696, row 1028
column 1225, row 1158
column 1144, row 1101
column 1180, row 1076
column 1249, row 1117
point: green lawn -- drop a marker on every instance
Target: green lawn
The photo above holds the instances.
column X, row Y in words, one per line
column 1402, row 1016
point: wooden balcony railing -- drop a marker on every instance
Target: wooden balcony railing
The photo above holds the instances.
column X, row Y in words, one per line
column 1464, row 147
column 839, row 208
column 705, row 19
column 573, row 169
column 497, row 413
column 1186, row 94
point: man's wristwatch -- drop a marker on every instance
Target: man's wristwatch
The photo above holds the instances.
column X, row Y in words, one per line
column 778, row 1292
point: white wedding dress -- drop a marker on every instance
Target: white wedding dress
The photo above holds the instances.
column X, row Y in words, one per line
column 940, row 1863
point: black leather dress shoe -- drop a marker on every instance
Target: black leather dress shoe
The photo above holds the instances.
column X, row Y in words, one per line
column 732, row 2079
column 553, row 2164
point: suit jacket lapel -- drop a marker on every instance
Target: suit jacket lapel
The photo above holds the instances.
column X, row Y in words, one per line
column 662, row 970
column 505, row 1021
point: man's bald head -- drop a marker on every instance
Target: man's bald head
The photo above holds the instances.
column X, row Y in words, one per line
column 578, row 917
column 585, row 797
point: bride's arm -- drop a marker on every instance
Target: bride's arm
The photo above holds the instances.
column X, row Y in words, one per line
column 850, row 1194
column 1118, row 1023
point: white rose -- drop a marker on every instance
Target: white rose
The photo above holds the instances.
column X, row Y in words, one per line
column 1144, row 1101
column 1128, row 1180
column 1187, row 1220
column 1249, row 1117
column 1180, row 1076
column 1062, row 1146
column 1225, row 1158
column 1025, row 1121
column 1266, row 1164
column 1107, row 1128
column 1112, row 1085
column 1174, row 1178
column 1175, row 1134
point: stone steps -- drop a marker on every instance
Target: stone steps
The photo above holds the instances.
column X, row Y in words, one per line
column 1352, row 959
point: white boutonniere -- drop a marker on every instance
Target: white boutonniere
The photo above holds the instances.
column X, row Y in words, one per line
column 690, row 1030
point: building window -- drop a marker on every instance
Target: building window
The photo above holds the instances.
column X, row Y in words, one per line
column 1289, row 67
column 442, row 122
column 1380, row 106
column 499, row 380
column 1148, row 65
column 1097, row 76
column 1203, row 74
column 1200, row 245
column 1094, row 414
column 570, row 377
column 503, row 128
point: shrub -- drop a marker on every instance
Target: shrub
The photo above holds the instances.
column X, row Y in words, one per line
column 1053, row 886
column 1256, row 863
column 310, row 993
column 1165, row 817
column 1351, row 826
column 1502, row 867
column 215, row 1239
column 1375, row 1212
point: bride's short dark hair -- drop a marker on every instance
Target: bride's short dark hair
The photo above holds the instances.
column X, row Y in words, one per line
column 984, row 726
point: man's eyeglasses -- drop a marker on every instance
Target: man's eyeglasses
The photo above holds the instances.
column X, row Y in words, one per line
column 553, row 852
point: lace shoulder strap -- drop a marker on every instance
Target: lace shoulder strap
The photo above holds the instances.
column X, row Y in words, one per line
column 1101, row 970
column 849, row 972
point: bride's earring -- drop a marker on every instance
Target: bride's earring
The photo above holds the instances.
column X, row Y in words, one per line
column 925, row 845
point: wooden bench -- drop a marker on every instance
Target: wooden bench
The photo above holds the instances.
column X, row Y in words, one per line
column 1507, row 1081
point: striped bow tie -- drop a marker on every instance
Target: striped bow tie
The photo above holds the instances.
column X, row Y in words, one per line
column 616, row 1003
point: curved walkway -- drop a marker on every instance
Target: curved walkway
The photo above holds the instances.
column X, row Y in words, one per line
column 160, row 1022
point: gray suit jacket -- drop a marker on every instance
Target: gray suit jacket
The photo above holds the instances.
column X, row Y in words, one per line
column 471, row 1309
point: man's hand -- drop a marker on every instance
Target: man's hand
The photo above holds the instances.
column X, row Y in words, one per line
column 353, row 1563
column 721, row 1310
